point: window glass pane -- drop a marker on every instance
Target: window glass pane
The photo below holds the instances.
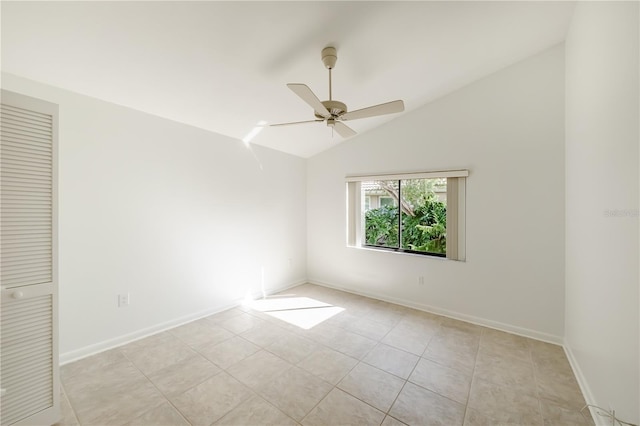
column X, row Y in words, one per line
column 387, row 201
column 424, row 215
column 381, row 213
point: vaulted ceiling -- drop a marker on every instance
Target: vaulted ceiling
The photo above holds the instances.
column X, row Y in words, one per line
column 223, row 66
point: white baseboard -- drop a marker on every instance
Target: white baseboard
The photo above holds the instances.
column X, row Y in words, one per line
column 75, row 355
column 584, row 386
column 521, row 331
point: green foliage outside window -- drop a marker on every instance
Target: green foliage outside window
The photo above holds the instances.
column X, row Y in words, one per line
column 424, row 219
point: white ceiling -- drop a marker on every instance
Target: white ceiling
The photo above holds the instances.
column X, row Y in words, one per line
column 223, row 66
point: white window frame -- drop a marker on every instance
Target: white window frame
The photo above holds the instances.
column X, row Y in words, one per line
column 456, row 208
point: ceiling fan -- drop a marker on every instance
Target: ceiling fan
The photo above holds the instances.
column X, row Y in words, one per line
column 335, row 112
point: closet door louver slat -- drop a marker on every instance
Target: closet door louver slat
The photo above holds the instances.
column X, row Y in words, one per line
column 29, row 372
column 29, row 169
column 27, row 357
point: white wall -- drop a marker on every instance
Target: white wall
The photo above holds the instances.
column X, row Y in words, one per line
column 602, row 177
column 508, row 130
column 181, row 218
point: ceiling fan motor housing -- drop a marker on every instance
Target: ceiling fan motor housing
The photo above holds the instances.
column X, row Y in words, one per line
column 336, row 108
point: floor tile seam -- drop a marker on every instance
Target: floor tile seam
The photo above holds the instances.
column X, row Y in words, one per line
column 439, row 394
column 474, row 379
column 264, row 397
column 368, row 403
column 466, row 339
column 198, row 351
column 388, row 413
column 158, row 404
column 292, row 335
column 126, row 382
column 275, row 354
column 394, row 418
column 539, row 406
column 203, row 344
column 473, row 374
column 252, row 394
column 385, row 413
column 226, row 340
column 402, row 388
column 507, row 347
column 538, row 393
column 447, row 366
column 375, row 339
column 508, row 386
column 345, row 375
column 199, row 382
column 256, row 395
column 268, row 380
column 398, row 349
column 468, row 404
column 292, row 366
column 508, row 358
column 389, row 372
column 537, row 384
column 568, row 375
column 84, row 373
column 513, row 370
column 73, row 410
column 172, row 405
column 297, row 364
column 559, row 403
column 345, row 353
column 426, row 346
column 220, row 370
column 301, row 421
column 166, row 398
column 386, row 324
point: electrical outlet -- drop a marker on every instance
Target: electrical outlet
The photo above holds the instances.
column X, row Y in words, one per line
column 123, row 300
column 420, row 280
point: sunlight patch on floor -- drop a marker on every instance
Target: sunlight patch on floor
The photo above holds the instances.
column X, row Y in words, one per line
column 302, row 312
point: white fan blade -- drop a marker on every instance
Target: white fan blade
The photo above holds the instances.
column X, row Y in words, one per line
column 309, row 97
column 295, row 122
column 372, row 111
column 344, row 130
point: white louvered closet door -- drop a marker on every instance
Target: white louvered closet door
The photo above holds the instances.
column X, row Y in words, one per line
column 29, row 373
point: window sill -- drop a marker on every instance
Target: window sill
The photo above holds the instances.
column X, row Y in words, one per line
column 402, row 253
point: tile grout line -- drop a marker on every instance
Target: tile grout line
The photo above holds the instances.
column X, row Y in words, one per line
column 351, row 369
column 377, row 342
column 156, row 387
column 473, row 374
column 73, row 410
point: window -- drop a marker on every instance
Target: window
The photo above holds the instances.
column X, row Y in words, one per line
column 420, row 213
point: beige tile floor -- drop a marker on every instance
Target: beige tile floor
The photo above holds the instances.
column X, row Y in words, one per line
column 374, row 363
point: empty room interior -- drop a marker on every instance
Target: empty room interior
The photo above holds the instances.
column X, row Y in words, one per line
column 320, row 213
